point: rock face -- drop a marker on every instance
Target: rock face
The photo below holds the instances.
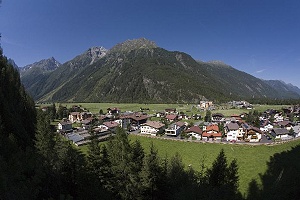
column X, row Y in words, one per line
column 96, row 53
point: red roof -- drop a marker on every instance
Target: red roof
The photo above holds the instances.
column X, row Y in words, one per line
column 212, row 127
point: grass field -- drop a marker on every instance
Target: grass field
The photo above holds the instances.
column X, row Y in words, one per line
column 252, row 160
column 186, row 108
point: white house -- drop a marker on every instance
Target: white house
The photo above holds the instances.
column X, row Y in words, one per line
column 195, row 131
column 175, row 129
column 253, row 134
column 297, row 130
column 152, row 128
column 64, row 125
column 280, row 133
column 233, row 132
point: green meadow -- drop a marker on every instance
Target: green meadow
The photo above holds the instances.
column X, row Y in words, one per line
column 153, row 108
column 252, row 159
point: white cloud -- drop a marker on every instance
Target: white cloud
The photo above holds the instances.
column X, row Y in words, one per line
column 260, row 71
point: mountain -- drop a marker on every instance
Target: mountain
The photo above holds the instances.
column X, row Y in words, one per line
column 32, row 75
column 282, row 86
column 140, row 71
column 12, row 62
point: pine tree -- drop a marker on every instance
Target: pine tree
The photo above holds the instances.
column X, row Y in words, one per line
column 153, row 176
column 119, row 151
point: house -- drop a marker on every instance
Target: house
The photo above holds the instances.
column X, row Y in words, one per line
column 195, row 131
column 278, row 117
column 266, row 126
column 253, row 134
column 211, row 132
column 79, row 138
column 296, row 131
column 175, row 129
column 171, row 117
column 113, row 111
column 152, row 128
column 206, row 105
column 112, row 126
column 285, row 124
column 78, row 116
column 64, row 126
column 217, row 117
column 170, row 110
column 74, row 116
column 105, row 118
column 280, row 133
column 133, row 119
column 237, row 118
column 86, row 123
column 234, row 132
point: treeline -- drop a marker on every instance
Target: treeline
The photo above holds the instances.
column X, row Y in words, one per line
column 268, row 101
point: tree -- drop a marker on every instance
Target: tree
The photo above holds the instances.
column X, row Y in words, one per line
column 119, row 151
column 45, row 140
column 223, row 179
column 291, row 117
column 152, row 176
column 101, row 112
column 207, row 117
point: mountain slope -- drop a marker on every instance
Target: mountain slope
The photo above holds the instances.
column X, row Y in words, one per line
column 281, row 86
column 140, row 71
column 33, row 75
column 49, row 82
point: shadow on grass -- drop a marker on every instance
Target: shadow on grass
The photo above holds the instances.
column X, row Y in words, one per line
column 282, row 178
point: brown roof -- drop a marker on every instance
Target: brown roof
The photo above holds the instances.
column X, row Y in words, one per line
column 180, row 123
column 111, row 124
column 232, row 126
column 171, row 117
column 195, row 129
column 135, row 116
column 153, row 124
column 284, row 123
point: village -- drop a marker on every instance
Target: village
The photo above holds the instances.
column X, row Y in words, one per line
column 268, row 127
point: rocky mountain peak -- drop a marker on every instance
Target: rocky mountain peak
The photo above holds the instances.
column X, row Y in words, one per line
column 96, row 53
column 130, row 45
column 49, row 64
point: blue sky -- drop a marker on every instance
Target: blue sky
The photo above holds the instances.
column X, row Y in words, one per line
column 260, row 37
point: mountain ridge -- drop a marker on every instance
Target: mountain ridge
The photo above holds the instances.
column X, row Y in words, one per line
column 140, row 71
